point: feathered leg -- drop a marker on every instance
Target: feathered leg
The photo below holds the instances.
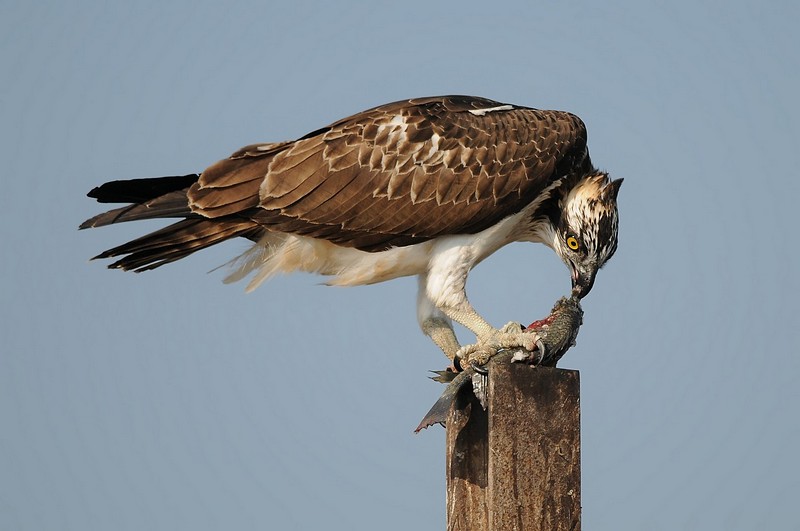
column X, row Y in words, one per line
column 445, row 289
column 434, row 323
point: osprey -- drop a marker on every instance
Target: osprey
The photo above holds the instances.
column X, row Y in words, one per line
column 427, row 187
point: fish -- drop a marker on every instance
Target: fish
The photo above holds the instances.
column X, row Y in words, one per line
column 557, row 332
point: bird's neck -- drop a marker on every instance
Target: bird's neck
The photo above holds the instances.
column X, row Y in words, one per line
column 546, row 213
column 541, row 218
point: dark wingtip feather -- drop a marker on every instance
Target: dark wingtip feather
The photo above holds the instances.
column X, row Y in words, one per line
column 170, row 205
column 105, row 218
column 140, row 190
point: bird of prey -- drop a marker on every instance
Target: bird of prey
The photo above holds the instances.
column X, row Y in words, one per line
column 427, row 187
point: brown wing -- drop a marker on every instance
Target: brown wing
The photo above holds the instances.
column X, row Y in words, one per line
column 400, row 173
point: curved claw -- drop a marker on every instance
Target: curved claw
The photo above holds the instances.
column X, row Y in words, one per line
column 542, row 350
column 480, row 369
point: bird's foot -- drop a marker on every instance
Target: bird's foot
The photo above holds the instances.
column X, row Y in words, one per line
column 510, row 337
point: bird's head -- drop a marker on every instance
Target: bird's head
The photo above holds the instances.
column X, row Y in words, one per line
column 585, row 234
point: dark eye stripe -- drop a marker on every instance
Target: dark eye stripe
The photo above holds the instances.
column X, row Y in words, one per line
column 607, row 236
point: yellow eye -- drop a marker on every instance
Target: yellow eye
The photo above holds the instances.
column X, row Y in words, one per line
column 573, row 243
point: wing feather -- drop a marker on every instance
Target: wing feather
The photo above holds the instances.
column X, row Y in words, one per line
column 399, row 173
column 231, row 185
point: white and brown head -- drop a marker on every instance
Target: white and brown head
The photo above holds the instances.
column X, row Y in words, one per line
column 585, row 232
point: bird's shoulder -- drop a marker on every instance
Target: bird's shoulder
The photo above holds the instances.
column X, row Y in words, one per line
column 458, row 116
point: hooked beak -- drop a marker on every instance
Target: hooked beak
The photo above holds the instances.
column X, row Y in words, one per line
column 582, row 279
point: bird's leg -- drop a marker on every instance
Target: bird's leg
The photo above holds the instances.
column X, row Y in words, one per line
column 441, row 332
column 436, row 324
column 445, row 290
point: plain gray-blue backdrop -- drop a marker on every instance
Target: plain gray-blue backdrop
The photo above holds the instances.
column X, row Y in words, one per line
column 167, row 400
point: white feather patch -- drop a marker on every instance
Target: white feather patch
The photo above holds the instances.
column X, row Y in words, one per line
column 482, row 112
column 285, row 253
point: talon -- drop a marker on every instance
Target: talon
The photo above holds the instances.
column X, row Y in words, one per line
column 480, row 369
column 510, row 337
column 542, row 350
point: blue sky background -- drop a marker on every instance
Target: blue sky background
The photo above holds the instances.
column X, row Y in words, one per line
column 168, row 400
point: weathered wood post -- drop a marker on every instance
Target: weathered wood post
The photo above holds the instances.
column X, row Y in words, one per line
column 516, row 466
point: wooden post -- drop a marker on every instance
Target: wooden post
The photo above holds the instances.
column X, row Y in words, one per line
column 516, row 466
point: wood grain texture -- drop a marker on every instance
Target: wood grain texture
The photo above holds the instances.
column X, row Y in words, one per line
column 531, row 436
column 467, row 465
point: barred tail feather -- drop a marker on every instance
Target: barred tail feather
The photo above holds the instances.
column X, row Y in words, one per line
column 162, row 197
column 176, row 241
column 171, row 205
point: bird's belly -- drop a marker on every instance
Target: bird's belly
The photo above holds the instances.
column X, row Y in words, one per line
column 279, row 253
column 285, row 253
column 351, row 267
